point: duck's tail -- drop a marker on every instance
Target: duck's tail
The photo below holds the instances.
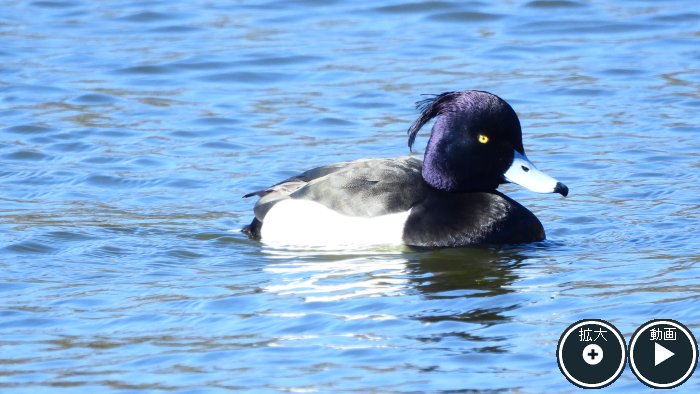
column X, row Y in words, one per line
column 253, row 229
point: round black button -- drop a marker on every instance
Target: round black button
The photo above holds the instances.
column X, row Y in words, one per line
column 591, row 353
column 663, row 353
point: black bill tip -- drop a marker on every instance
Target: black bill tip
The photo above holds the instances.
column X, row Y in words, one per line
column 561, row 189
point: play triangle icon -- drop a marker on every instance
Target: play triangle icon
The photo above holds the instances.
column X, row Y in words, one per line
column 661, row 354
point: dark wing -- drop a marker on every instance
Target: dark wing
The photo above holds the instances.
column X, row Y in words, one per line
column 367, row 187
column 300, row 179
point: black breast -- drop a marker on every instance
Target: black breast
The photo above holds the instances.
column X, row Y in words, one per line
column 461, row 219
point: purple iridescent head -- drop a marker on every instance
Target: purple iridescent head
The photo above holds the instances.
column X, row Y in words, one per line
column 475, row 145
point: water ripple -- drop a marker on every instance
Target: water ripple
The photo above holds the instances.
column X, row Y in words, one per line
column 130, row 130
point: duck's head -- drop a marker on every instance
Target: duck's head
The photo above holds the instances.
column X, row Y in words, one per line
column 476, row 144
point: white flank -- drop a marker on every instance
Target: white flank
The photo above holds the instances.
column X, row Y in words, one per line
column 304, row 223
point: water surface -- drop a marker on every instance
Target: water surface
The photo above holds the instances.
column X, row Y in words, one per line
column 129, row 131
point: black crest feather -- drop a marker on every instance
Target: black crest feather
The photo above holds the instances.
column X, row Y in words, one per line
column 429, row 108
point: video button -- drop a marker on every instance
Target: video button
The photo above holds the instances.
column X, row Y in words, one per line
column 663, row 353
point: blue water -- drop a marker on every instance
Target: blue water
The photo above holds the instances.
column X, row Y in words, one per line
column 129, row 130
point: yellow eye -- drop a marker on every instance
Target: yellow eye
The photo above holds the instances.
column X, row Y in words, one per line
column 483, row 139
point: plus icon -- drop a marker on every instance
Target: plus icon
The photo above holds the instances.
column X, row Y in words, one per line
column 592, row 354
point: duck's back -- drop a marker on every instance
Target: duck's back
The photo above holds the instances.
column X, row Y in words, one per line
column 360, row 189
